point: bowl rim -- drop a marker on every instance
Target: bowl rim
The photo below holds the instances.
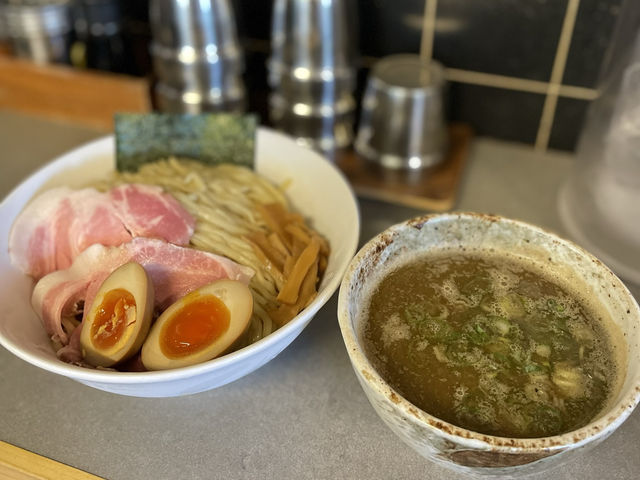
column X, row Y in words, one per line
column 603, row 425
column 112, row 377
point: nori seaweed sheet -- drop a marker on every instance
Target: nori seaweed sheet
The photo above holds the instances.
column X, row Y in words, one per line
column 211, row 138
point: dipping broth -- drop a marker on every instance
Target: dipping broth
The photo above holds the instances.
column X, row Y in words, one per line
column 492, row 344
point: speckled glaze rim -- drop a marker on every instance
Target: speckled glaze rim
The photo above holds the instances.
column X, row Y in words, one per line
column 598, row 429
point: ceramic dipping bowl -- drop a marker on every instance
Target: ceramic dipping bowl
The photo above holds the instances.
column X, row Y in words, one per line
column 447, row 444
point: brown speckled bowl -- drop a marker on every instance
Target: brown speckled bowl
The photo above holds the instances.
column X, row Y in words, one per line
column 442, row 442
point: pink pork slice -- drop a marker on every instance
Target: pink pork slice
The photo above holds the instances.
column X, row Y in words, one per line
column 148, row 212
column 61, row 223
column 174, row 271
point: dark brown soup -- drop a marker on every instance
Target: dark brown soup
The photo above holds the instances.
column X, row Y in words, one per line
column 491, row 345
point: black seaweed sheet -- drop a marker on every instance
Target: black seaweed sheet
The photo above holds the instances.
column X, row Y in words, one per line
column 211, row 138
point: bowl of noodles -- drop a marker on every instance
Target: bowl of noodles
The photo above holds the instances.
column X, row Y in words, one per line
column 236, row 211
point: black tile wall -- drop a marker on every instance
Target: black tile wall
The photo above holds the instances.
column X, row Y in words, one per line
column 255, row 80
column 593, row 29
column 253, row 18
column 567, row 123
column 136, row 35
column 492, row 111
column 517, row 39
column 390, row 26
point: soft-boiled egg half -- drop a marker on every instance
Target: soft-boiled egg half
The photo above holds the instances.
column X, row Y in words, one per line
column 119, row 318
column 202, row 325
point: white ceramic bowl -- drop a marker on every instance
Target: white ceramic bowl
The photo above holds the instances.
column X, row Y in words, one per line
column 317, row 189
column 442, row 442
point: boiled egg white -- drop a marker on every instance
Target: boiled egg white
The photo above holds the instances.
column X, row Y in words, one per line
column 119, row 318
column 202, row 325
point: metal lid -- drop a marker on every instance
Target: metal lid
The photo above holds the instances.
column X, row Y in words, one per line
column 408, row 72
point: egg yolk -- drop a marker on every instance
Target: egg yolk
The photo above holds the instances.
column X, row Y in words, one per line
column 194, row 326
column 117, row 310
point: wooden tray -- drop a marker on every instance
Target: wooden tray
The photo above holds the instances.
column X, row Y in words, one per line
column 434, row 188
column 84, row 97
column 19, row 464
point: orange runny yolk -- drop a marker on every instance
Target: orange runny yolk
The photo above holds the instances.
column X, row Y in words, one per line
column 117, row 310
column 197, row 323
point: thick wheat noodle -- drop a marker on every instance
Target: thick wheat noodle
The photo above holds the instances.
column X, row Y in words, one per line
column 261, row 282
column 223, row 200
column 243, row 254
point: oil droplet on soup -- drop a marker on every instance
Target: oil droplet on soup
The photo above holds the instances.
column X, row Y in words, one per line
column 490, row 345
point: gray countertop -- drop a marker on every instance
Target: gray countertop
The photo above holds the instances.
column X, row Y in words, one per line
column 303, row 415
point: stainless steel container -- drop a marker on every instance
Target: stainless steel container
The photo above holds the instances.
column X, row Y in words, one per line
column 38, row 30
column 322, row 127
column 196, row 56
column 402, row 123
column 169, row 99
column 313, row 87
column 312, row 38
column 311, row 72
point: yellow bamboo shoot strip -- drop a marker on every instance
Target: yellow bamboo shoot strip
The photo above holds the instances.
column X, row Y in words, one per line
column 295, row 218
column 288, row 266
column 260, row 239
column 274, row 216
column 322, row 264
column 295, row 254
column 301, row 229
column 298, row 247
column 324, row 244
column 285, row 312
column 297, row 232
column 282, row 314
column 308, row 288
column 278, row 244
column 290, row 290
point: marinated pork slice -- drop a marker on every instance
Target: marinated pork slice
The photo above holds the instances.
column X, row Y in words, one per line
column 61, row 223
column 146, row 211
column 175, row 271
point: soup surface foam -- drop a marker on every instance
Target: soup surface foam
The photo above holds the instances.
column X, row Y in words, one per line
column 492, row 343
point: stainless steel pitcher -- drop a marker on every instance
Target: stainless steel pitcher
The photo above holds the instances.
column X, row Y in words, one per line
column 196, row 56
column 312, row 72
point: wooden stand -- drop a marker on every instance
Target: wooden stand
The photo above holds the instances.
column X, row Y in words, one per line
column 433, row 188
column 63, row 93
